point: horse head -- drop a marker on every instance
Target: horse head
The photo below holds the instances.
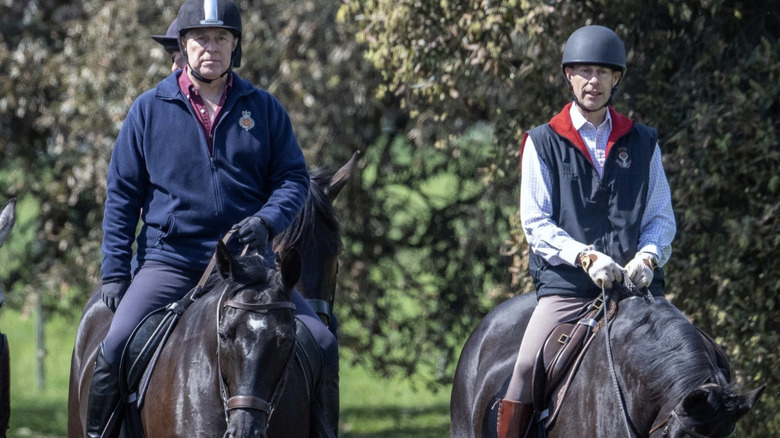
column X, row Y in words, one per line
column 708, row 411
column 256, row 337
column 316, row 236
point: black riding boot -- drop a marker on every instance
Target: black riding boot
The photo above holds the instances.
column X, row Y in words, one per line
column 104, row 398
column 328, row 401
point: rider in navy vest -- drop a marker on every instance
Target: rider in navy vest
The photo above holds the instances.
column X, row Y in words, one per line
column 201, row 154
column 604, row 211
column 595, row 206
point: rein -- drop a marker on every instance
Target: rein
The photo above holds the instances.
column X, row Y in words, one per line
column 613, row 373
column 611, row 362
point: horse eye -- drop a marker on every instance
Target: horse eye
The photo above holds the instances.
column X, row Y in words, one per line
column 222, row 336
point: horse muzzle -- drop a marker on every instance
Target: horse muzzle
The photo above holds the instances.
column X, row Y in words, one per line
column 247, row 423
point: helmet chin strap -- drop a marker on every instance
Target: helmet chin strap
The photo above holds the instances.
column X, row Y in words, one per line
column 608, row 103
column 203, row 79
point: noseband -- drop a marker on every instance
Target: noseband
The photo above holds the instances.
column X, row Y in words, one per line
column 250, row 401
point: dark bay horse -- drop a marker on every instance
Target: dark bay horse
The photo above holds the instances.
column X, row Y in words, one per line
column 7, row 220
column 668, row 382
column 228, row 355
column 315, row 236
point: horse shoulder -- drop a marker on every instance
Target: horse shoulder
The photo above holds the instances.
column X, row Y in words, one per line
column 486, row 361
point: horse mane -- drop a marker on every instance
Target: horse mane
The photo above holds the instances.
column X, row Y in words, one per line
column 669, row 349
column 317, row 209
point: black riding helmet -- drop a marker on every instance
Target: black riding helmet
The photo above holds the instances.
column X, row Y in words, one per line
column 223, row 14
column 170, row 40
column 595, row 45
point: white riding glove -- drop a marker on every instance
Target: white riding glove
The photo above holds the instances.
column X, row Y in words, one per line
column 601, row 268
column 640, row 269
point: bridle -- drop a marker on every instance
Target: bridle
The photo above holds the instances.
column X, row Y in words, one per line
column 252, row 402
column 675, row 417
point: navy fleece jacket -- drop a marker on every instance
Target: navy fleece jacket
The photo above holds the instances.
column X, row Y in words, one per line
column 161, row 171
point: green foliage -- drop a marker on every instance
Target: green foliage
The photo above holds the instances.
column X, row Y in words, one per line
column 430, row 263
column 438, row 94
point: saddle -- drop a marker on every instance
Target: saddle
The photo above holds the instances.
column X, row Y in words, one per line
column 560, row 357
column 562, row 352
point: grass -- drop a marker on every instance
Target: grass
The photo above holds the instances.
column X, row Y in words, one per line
column 371, row 407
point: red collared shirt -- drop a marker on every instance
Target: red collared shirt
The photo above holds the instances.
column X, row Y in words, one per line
column 199, row 105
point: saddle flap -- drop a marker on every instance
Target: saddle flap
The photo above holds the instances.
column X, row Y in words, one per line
column 559, row 357
column 150, row 334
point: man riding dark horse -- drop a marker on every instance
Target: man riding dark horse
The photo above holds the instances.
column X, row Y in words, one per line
column 595, row 206
column 202, row 153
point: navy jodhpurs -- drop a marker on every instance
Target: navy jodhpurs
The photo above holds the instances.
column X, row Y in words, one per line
column 156, row 285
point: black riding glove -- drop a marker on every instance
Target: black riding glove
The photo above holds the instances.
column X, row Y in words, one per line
column 112, row 293
column 253, row 232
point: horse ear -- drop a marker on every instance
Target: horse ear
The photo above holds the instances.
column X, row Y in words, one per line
column 291, row 267
column 745, row 402
column 341, row 177
column 225, row 260
column 7, row 220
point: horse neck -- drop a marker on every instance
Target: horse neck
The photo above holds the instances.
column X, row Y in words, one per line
column 662, row 352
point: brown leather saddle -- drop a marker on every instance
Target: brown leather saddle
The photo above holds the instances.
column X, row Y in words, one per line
column 562, row 352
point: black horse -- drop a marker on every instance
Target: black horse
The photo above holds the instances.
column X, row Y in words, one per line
column 314, row 237
column 667, row 383
column 227, row 358
column 7, row 220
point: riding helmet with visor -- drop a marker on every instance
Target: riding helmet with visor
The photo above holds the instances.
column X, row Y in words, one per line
column 223, row 14
column 169, row 41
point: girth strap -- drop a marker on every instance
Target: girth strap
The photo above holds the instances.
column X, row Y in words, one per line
column 248, row 402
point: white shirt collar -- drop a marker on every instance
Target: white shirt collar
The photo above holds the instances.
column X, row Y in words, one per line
column 578, row 120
